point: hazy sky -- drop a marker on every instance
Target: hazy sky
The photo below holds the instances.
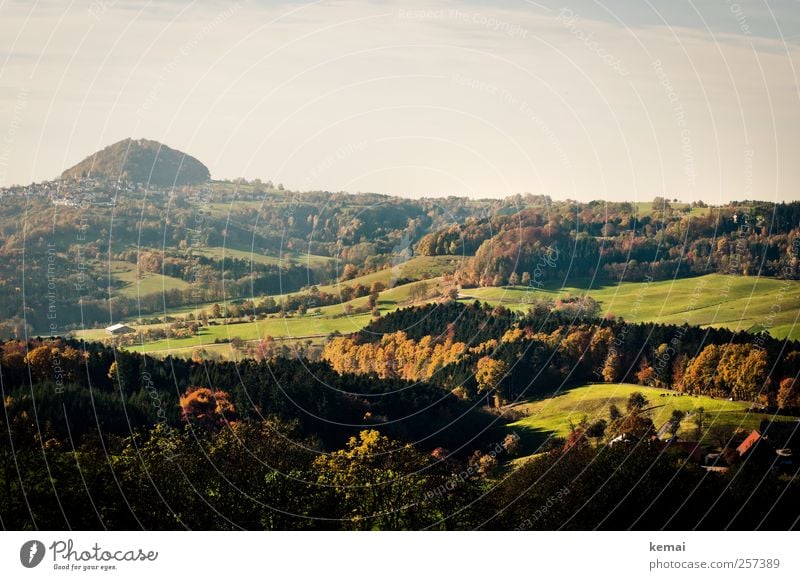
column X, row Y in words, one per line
column 581, row 99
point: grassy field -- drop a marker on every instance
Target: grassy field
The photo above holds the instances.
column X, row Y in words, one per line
column 738, row 303
column 551, row 415
column 735, row 302
column 427, row 269
column 141, row 284
column 699, row 211
column 416, row 268
column 645, row 208
column 299, row 258
column 226, row 351
column 313, row 324
column 298, row 326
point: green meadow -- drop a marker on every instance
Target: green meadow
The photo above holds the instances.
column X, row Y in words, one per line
column 142, row 283
column 315, row 323
column 298, row 258
column 739, row 303
column 551, row 415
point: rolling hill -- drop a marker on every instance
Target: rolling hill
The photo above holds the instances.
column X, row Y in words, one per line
column 551, row 415
column 140, row 161
column 749, row 303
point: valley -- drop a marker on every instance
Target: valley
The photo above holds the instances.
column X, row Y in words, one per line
column 517, row 345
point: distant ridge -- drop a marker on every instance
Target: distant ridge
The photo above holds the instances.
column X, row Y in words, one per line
column 141, row 161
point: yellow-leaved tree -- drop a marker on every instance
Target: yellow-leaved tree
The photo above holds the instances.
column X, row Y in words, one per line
column 379, row 482
column 489, row 374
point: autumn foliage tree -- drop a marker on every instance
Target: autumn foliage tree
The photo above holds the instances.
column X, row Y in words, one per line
column 737, row 370
column 699, row 376
column 54, row 361
column 209, row 408
column 489, row 374
column 394, row 356
column 646, row 374
column 612, row 370
column 376, row 482
column 636, row 422
column 788, row 394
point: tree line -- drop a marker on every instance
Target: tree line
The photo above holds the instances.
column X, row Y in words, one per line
column 475, row 350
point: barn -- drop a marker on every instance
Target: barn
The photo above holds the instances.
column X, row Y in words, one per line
column 117, row 329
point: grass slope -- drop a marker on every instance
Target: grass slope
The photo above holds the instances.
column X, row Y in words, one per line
column 143, row 283
column 219, row 252
column 713, row 300
column 551, row 415
column 416, row 268
column 313, row 324
column 426, row 269
column 735, row 302
column 299, row 326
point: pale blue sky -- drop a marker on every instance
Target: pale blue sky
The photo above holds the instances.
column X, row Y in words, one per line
column 580, row 99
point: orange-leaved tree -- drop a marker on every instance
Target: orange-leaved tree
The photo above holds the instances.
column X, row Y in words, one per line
column 210, row 408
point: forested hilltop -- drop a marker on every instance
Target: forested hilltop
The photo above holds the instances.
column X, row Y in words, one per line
column 123, row 249
column 140, row 161
column 620, row 242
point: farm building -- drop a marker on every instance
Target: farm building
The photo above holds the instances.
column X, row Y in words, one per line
column 117, row 329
